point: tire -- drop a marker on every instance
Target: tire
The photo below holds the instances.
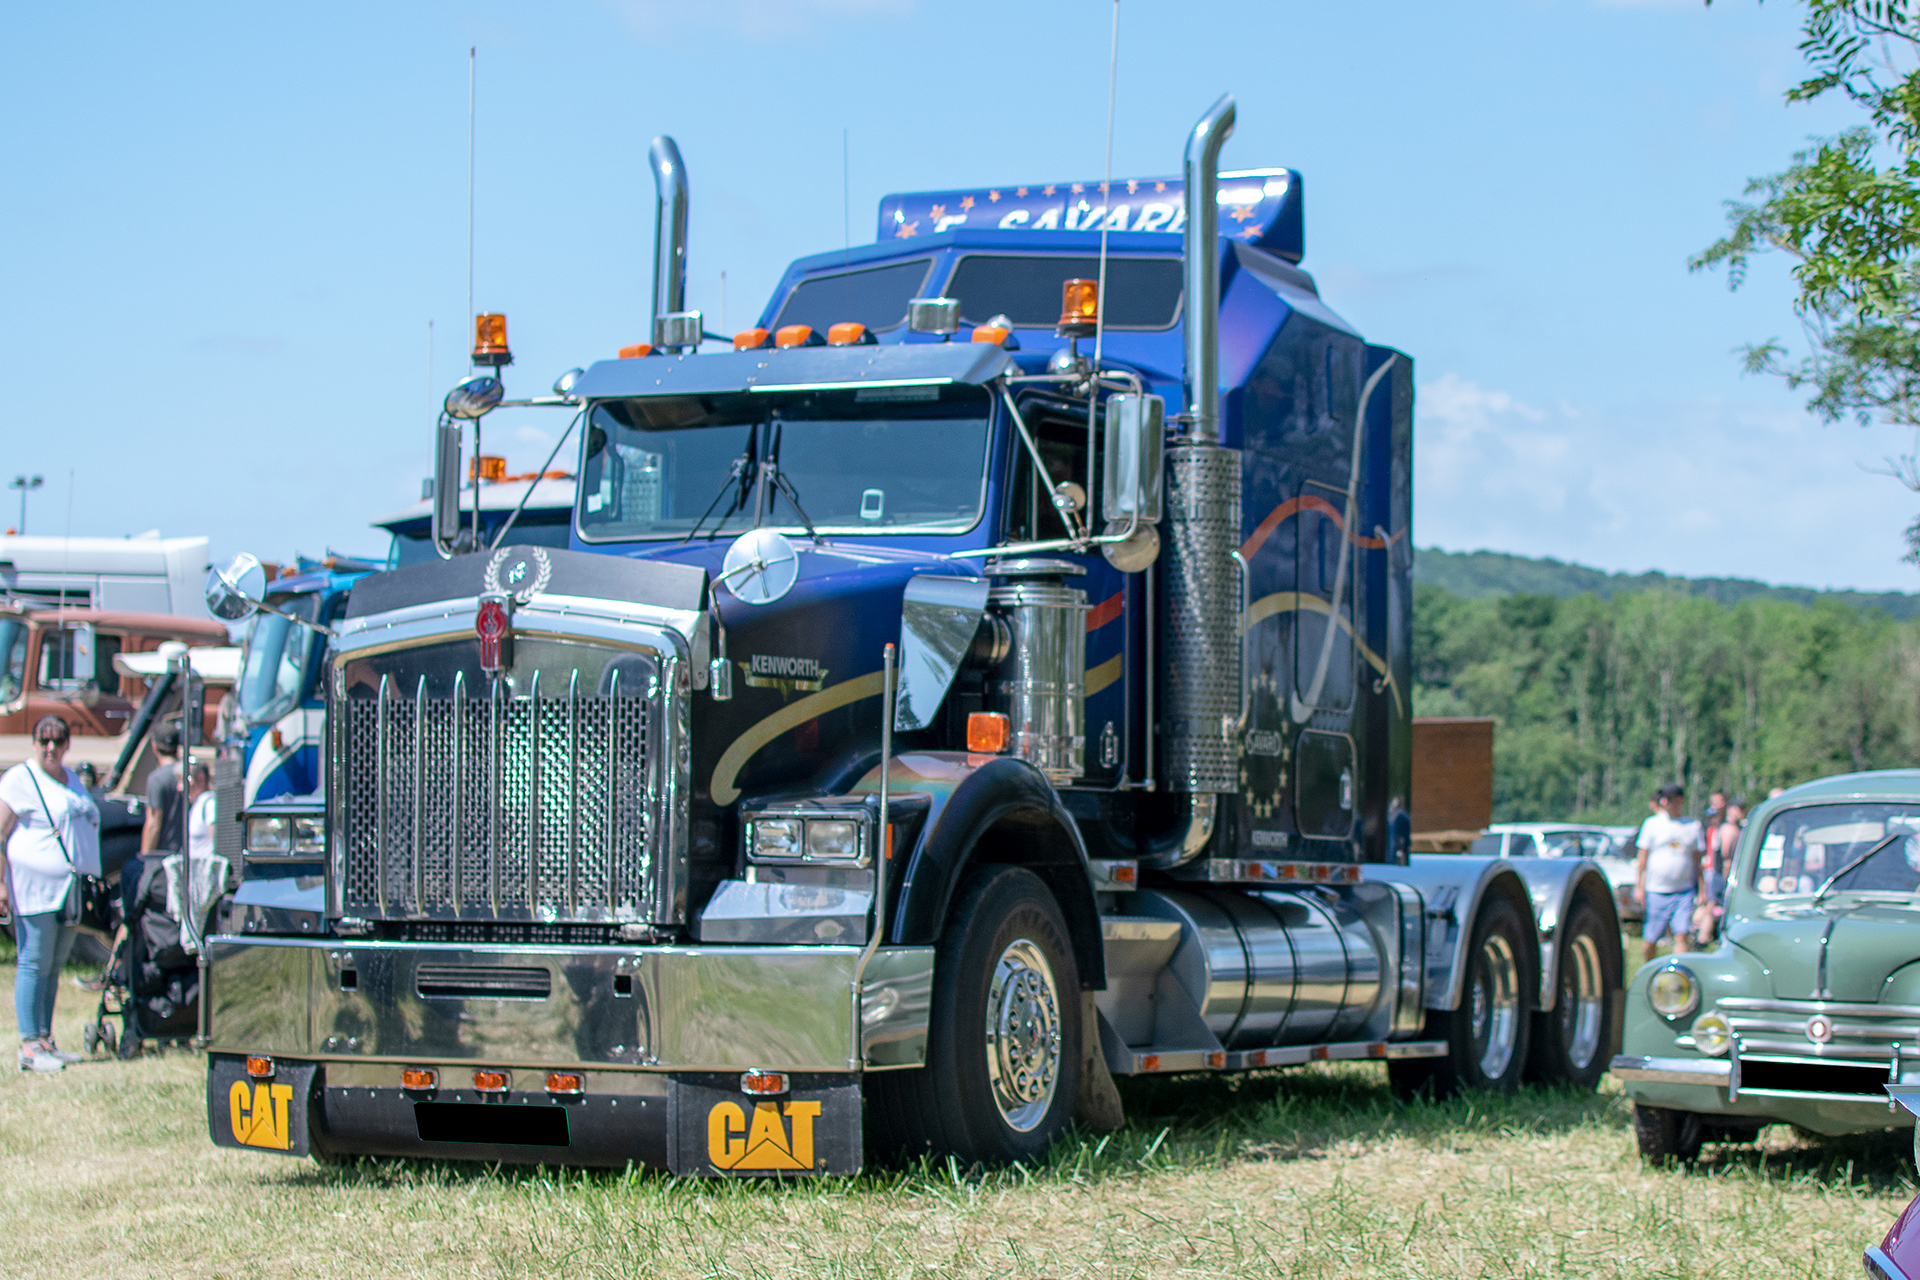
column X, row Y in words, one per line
column 1572, row 1040
column 1488, row 1035
column 1004, row 965
column 1665, row 1134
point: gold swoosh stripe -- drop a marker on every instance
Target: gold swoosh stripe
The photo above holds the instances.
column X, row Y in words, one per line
column 1295, row 601
column 747, row 744
column 1104, row 674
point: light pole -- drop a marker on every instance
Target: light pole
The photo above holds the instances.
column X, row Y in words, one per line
column 26, row 485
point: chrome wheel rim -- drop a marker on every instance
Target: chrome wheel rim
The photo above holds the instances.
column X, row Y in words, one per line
column 1494, row 1007
column 1582, row 1001
column 1023, row 1035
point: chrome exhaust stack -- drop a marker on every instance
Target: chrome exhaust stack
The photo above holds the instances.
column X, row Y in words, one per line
column 1203, row 268
column 673, row 324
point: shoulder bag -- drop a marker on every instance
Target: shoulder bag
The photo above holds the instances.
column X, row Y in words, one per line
column 88, row 904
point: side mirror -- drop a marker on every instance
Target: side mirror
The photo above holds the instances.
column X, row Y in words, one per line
column 1131, row 457
column 234, row 589
column 446, row 484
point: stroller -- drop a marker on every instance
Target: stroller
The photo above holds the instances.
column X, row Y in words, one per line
column 152, row 982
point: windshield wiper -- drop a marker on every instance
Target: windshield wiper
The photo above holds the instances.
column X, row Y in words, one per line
column 784, row 485
column 1825, row 888
column 737, row 477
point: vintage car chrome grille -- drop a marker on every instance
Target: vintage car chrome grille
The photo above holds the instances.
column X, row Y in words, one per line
column 1846, row 1031
column 489, row 806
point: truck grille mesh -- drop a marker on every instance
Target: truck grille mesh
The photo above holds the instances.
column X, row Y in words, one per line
column 496, row 807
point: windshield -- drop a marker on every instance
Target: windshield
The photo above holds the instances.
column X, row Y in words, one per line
column 275, row 663
column 13, row 658
column 859, row 460
column 1801, row 848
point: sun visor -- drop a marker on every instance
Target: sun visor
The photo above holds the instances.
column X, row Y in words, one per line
column 896, row 364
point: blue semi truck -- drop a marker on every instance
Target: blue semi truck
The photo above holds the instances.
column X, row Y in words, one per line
column 989, row 677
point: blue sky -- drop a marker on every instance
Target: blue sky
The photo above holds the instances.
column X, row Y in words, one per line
column 227, row 228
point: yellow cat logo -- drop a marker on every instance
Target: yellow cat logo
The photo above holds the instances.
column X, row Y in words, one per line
column 732, row 1144
column 260, row 1117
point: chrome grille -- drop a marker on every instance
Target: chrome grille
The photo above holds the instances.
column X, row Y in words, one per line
column 489, row 805
column 1860, row 1032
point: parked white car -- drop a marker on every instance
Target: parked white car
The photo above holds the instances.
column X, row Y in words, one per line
column 1611, row 847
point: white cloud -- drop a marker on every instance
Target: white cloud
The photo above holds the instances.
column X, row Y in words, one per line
column 1706, row 487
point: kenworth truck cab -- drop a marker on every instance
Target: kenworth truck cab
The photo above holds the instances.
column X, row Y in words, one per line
column 922, row 727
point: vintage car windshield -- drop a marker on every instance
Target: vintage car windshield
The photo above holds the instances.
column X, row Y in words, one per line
column 13, row 658
column 1802, row 848
column 860, row 460
column 272, row 676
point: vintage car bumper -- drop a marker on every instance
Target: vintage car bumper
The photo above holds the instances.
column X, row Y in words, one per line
column 647, row 1030
column 1632, row 1067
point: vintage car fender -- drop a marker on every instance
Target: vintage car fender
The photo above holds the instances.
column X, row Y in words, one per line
column 1452, row 887
column 1553, row 883
column 972, row 796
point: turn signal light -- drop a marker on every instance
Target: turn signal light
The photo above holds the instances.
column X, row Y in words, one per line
column 563, row 1082
column 488, row 468
column 849, row 333
column 637, row 350
column 752, row 339
column 987, row 731
column 490, row 1081
column 260, row 1068
column 991, row 333
column 490, row 341
column 419, row 1078
column 762, row 1083
column 1079, row 308
column 796, row 335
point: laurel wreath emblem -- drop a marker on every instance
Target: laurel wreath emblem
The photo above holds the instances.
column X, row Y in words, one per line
column 542, row 574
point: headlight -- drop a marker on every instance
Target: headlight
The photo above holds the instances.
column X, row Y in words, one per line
column 777, row 837
column 836, row 840
column 269, row 835
column 1711, row 1034
column 309, row 835
column 1673, row 993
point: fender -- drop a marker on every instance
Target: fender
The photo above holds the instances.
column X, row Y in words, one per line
column 1553, row 883
column 973, row 797
column 1453, row 887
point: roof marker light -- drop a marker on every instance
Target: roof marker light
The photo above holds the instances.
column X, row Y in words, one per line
column 991, row 333
column 849, row 333
column 490, row 341
column 796, row 335
column 752, row 339
column 637, row 350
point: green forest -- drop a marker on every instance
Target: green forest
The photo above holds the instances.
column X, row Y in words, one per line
column 1598, row 700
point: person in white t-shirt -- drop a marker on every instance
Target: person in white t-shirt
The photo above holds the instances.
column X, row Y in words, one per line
column 48, row 826
column 1668, row 876
column 200, row 813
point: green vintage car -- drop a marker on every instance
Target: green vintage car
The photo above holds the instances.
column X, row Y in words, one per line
column 1810, row 1004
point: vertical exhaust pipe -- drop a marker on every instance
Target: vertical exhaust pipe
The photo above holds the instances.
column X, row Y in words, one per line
column 1203, row 268
column 1201, row 659
column 669, row 232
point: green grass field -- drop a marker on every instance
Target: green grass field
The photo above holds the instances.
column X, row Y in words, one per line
column 107, row 1170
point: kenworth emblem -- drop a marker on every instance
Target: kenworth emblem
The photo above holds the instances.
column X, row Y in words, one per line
column 494, row 629
column 536, row 567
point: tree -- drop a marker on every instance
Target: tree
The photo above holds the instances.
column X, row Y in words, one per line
column 1848, row 212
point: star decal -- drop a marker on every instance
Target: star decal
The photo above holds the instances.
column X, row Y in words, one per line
column 1133, row 187
column 907, row 229
column 1020, row 191
column 1240, row 212
column 1047, row 190
column 1250, row 233
column 1159, row 186
column 994, row 196
column 966, row 202
column 939, row 211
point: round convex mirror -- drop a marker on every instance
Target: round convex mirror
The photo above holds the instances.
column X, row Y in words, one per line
column 761, row 566
column 234, row 589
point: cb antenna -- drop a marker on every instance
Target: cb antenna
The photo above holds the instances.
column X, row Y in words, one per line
column 473, row 57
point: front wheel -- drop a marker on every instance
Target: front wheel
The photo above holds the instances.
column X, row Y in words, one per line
column 1003, row 1042
column 1665, row 1134
column 1487, row 1036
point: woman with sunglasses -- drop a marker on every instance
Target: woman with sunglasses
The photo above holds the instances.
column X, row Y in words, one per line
column 47, row 820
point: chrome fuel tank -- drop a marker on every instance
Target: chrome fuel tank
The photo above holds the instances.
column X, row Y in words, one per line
column 1271, row 968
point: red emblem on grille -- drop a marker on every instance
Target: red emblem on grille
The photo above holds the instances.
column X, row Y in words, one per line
column 495, row 631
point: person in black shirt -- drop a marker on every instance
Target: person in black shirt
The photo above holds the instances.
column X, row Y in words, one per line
column 161, row 832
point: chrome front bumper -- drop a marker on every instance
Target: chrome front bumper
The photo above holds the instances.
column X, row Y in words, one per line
column 643, row 1009
column 1671, row 1070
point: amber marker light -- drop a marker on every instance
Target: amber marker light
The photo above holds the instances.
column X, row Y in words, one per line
column 796, row 335
column 490, row 341
column 488, row 468
column 260, row 1068
column 849, row 333
column 419, row 1078
column 636, row 351
column 752, row 339
column 1079, row 308
column 564, row 1082
column 761, row 1084
column 996, row 334
column 986, row 731
column 490, row 1081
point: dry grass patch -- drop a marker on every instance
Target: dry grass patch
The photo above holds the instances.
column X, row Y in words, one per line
column 107, row 1169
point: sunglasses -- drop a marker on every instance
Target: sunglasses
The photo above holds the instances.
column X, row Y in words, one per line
column 51, row 742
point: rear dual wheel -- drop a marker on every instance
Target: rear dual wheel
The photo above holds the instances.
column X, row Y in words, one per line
column 1573, row 1039
column 1003, row 1042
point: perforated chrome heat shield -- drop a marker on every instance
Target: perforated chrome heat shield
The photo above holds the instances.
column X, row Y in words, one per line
column 548, row 795
column 1200, row 735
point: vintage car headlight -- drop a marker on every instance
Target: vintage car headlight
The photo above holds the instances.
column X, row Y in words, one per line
column 1712, row 1034
column 827, row 838
column 1673, row 992
column 309, row 835
column 269, row 835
